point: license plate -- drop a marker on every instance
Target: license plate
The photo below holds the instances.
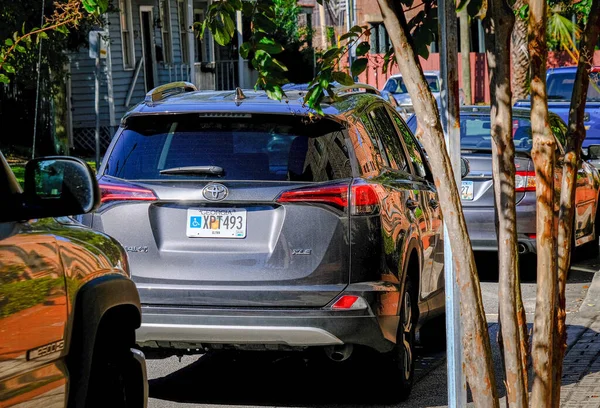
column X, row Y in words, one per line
column 216, row 223
column 466, row 190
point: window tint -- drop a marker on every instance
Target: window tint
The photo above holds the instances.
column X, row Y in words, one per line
column 374, row 142
column 387, row 132
column 412, row 146
column 247, row 149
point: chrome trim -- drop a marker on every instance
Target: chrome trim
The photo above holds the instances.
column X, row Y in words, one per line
column 292, row 336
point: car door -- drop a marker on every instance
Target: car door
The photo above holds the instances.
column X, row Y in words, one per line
column 433, row 279
column 33, row 308
column 585, row 191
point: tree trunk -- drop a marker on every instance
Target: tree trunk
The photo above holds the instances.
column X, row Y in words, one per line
column 575, row 137
column 465, row 53
column 520, row 55
column 498, row 26
column 543, row 157
column 478, row 359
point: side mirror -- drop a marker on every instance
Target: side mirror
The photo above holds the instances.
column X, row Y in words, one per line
column 593, row 152
column 465, row 167
column 59, row 186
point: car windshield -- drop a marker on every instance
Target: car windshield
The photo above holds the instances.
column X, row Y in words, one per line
column 396, row 85
column 475, row 132
column 560, row 86
column 258, row 147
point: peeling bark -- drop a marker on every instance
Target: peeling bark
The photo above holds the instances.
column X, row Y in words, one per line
column 476, row 343
column 543, row 155
column 498, row 25
column 575, row 137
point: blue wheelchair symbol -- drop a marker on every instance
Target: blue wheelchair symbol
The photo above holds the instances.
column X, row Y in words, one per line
column 195, row 222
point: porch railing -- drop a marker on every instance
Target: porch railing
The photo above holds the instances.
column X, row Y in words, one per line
column 218, row 75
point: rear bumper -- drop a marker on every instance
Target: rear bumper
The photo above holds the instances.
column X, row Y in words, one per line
column 198, row 328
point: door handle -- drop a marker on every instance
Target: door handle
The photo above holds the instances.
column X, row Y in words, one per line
column 433, row 203
column 412, row 204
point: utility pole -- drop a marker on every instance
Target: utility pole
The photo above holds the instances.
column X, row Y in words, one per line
column 457, row 386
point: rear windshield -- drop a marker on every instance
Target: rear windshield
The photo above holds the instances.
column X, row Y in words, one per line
column 257, row 147
column 560, row 86
column 475, row 132
column 397, row 86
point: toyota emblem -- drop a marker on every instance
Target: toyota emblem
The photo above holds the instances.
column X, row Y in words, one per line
column 215, row 192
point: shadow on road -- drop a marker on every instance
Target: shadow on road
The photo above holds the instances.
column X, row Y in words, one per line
column 285, row 379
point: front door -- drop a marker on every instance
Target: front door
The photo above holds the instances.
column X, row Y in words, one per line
column 147, row 20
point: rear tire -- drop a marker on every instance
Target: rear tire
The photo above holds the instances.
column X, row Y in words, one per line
column 401, row 360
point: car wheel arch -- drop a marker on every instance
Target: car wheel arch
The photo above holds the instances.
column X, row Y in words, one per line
column 112, row 296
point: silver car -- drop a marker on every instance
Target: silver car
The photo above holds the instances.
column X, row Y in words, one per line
column 396, row 87
column 477, row 191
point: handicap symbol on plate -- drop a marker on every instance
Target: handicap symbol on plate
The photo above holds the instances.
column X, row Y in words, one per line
column 195, row 222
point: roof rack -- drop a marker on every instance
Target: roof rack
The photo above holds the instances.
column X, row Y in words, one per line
column 356, row 88
column 164, row 91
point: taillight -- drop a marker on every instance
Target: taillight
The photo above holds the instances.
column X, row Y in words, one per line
column 336, row 195
column 525, row 181
column 349, row 302
column 364, row 199
column 124, row 192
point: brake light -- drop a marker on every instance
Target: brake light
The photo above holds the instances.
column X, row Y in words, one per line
column 124, row 192
column 336, row 195
column 364, row 199
column 525, row 181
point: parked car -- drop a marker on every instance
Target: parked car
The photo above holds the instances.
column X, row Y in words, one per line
column 68, row 308
column 396, row 88
column 559, row 82
column 253, row 224
column 477, row 193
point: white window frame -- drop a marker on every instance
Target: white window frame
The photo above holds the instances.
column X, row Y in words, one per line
column 166, row 34
column 127, row 35
column 183, row 32
column 149, row 9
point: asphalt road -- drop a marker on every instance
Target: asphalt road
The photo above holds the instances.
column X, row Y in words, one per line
column 300, row 380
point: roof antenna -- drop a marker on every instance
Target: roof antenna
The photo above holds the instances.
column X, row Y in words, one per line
column 239, row 96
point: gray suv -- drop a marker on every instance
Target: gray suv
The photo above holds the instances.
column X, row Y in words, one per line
column 254, row 224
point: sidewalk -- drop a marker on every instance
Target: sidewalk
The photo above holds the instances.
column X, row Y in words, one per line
column 581, row 367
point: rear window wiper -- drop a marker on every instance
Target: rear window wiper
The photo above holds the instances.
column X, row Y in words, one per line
column 210, row 170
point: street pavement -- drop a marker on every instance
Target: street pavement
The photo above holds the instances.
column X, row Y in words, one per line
column 300, row 380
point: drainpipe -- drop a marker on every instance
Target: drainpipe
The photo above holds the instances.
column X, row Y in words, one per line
column 240, row 40
column 191, row 39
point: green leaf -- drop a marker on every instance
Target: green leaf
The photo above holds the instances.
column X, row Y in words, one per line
column 4, row 79
column 89, row 5
column 264, row 24
column 228, row 24
column 274, row 92
column 331, row 53
column 269, row 45
column 236, row 4
column 8, row 42
column 343, row 78
column 20, row 49
column 358, row 66
column 362, row 48
column 356, row 29
column 245, row 49
column 247, row 8
column 9, row 69
column 275, row 63
column 348, row 35
column 62, row 29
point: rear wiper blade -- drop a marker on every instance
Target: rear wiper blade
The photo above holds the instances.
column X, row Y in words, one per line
column 211, row 170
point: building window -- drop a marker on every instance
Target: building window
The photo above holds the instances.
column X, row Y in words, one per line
column 167, row 43
column 183, row 32
column 127, row 34
column 380, row 41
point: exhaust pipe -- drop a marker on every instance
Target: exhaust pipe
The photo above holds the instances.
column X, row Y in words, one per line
column 522, row 248
column 339, row 353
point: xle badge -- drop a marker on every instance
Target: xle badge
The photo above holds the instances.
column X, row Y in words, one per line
column 301, row 251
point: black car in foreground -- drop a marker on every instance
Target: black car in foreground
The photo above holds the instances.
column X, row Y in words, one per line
column 68, row 308
column 255, row 224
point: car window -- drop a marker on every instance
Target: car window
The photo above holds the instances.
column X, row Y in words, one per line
column 560, row 131
column 391, row 142
column 246, row 149
column 412, row 146
column 397, row 86
column 560, row 86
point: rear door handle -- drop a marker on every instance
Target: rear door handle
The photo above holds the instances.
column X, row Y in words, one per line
column 412, row 204
column 433, row 203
